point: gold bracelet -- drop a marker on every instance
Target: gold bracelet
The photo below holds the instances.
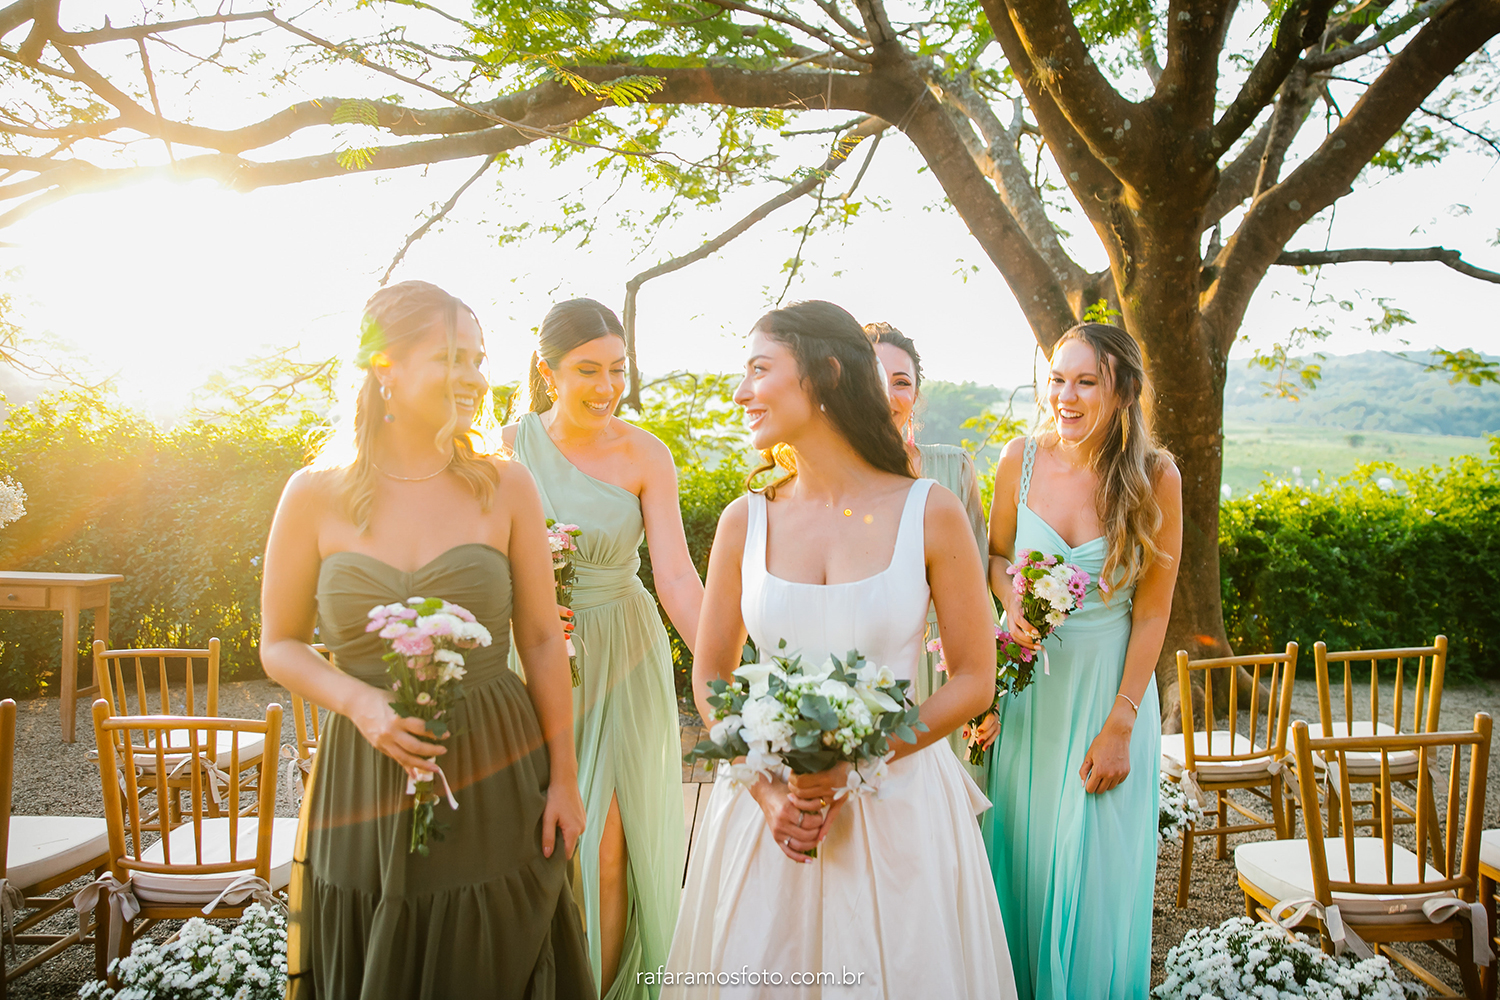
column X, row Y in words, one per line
column 1136, row 708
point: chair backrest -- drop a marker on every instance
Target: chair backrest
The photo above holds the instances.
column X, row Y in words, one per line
column 1266, row 731
column 114, row 667
column 7, row 774
column 1422, row 666
column 1447, row 835
column 159, row 738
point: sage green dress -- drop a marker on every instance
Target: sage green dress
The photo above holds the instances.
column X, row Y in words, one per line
column 953, row 468
column 484, row 914
column 625, row 711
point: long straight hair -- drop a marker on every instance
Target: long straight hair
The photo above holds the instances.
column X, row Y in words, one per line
column 394, row 320
column 1128, row 459
column 838, row 364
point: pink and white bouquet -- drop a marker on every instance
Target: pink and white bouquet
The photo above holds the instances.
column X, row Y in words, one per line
column 787, row 713
column 1050, row 589
column 563, row 540
column 1013, row 668
column 425, row 637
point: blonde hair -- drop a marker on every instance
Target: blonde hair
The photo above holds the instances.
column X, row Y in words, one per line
column 395, row 318
column 1128, row 459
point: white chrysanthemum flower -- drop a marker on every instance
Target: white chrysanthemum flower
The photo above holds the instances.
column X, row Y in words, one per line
column 725, row 729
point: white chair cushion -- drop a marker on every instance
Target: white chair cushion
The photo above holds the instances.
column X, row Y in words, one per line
column 1283, row 869
column 1361, row 764
column 252, row 746
column 42, row 847
column 1489, row 851
column 1174, row 756
column 187, row 890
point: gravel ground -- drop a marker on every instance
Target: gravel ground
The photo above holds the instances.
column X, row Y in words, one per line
column 54, row 778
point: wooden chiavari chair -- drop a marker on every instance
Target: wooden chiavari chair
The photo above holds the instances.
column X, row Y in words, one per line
column 210, row 864
column 118, row 670
column 1489, row 884
column 1366, row 893
column 307, row 721
column 37, row 855
column 1417, row 712
column 1209, row 758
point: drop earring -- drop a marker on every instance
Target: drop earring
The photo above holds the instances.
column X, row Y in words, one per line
column 385, row 394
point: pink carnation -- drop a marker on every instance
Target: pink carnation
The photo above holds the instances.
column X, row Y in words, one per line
column 413, row 643
column 395, row 629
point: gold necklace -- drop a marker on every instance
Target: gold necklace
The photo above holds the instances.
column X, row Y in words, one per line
column 411, row 479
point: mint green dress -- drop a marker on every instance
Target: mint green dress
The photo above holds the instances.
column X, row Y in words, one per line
column 1075, row 872
column 625, row 712
column 484, row 912
column 953, row 468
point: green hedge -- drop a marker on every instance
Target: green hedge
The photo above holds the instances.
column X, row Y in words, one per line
column 1362, row 567
column 183, row 515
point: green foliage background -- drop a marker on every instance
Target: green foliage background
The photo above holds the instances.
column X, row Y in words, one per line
column 184, row 514
column 1361, row 567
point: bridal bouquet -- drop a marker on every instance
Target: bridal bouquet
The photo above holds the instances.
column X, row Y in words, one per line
column 1050, row 590
column 424, row 637
column 563, row 540
column 1013, row 667
column 786, row 712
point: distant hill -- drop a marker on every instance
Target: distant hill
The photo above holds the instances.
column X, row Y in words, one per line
column 944, row 406
column 1372, row 391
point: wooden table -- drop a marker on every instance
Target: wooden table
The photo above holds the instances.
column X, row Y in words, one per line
column 69, row 593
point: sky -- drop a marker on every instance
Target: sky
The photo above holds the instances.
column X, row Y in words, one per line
column 163, row 285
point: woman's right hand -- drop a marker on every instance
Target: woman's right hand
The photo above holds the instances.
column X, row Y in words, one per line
column 1021, row 630
column 398, row 738
column 786, row 821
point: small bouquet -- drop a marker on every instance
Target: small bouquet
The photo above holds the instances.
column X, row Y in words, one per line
column 808, row 719
column 1013, row 667
column 563, row 539
column 1050, row 590
column 425, row 636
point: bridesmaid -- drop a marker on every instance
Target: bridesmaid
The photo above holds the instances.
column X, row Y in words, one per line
column 411, row 508
column 616, row 481
column 1074, row 780
column 949, row 465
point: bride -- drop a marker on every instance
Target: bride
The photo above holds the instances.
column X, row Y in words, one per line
column 842, row 554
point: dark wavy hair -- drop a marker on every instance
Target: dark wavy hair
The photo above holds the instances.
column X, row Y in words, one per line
column 837, row 362
column 566, row 326
column 884, row 333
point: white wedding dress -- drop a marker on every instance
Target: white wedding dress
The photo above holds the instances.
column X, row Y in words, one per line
column 900, row 902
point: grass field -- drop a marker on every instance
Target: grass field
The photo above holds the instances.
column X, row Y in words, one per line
column 1292, row 451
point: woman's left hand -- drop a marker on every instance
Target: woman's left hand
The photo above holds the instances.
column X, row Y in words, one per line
column 564, row 811
column 1108, row 761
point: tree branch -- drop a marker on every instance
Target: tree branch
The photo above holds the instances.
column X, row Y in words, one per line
column 1237, row 180
column 1188, row 85
column 437, row 216
column 1400, row 255
column 792, row 22
column 1061, row 65
column 1411, row 75
column 113, row 34
column 1336, row 57
column 1300, row 26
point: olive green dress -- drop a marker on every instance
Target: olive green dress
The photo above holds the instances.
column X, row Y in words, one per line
column 625, row 711
column 485, row 914
column 952, row 467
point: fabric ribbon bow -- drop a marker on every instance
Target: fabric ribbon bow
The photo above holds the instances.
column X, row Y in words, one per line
column 1343, row 937
column 439, row 780
column 247, row 886
column 298, row 769
column 218, row 781
column 123, row 908
column 12, row 902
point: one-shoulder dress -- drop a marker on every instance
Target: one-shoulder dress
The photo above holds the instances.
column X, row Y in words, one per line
column 484, row 914
column 625, row 711
column 1076, row 872
column 899, row 904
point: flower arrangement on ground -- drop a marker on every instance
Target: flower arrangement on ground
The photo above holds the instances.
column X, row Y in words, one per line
column 1177, row 809
column 563, row 540
column 244, row 962
column 1242, row 958
column 1013, row 670
column 808, row 719
column 425, row 638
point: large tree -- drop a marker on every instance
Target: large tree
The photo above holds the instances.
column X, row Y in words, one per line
column 1178, row 128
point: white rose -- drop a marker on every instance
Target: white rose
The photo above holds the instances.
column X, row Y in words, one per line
column 725, row 729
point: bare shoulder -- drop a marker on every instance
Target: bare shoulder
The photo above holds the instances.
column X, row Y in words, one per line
column 508, row 436
column 734, row 522
column 1011, row 458
column 513, row 475
column 1168, row 479
column 311, row 489
column 944, row 511
column 644, row 447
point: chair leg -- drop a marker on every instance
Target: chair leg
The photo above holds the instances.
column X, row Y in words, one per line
column 1223, row 822
column 1249, row 906
column 1185, row 873
column 1467, row 970
column 1335, row 823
